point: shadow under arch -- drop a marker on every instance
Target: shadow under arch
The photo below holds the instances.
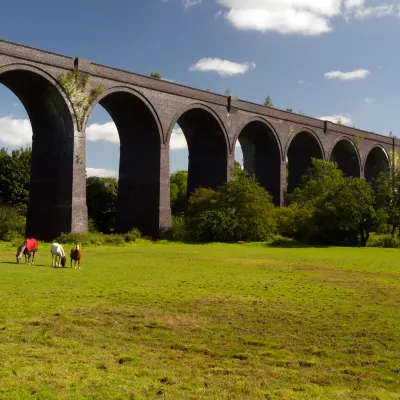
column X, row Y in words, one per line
column 55, row 206
column 208, row 146
column 377, row 161
column 262, row 154
column 140, row 162
column 301, row 149
column 345, row 154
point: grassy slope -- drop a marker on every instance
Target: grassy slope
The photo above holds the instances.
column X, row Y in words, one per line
column 170, row 321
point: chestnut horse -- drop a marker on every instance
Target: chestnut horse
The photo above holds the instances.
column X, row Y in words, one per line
column 76, row 255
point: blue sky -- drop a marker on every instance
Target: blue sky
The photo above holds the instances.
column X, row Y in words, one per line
column 326, row 58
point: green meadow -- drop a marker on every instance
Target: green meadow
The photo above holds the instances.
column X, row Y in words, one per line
column 179, row 321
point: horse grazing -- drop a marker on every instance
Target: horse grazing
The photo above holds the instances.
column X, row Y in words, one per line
column 76, row 255
column 57, row 254
column 28, row 248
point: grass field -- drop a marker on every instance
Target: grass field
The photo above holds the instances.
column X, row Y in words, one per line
column 172, row 321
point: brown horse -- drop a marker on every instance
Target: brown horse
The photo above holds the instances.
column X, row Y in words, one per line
column 76, row 255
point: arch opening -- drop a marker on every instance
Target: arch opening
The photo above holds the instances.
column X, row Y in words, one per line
column 139, row 179
column 50, row 190
column 302, row 149
column 208, row 152
column 345, row 155
column 262, row 156
column 377, row 161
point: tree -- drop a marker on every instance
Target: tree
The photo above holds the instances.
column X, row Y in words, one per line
column 227, row 93
column 240, row 210
column 155, row 75
column 15, row 178
column 342, row 208
column 178, row 191
column 268, row 102
column 101, row 198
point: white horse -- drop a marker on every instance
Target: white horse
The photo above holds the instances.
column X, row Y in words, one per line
column 57, row 254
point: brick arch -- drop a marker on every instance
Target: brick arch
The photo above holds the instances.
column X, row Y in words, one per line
column 300, row 150
column 208, row 145
column 268, row 125
column 200, row 106
column 375, row 162
column 140, row 163
column 312, row 133
column 129, row 91
column 262, row 154
column 56, row 155
column 349, row 166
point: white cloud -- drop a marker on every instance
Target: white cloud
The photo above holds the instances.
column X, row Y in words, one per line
column 190, row 3
column 336, row 118
column 358, row 10
column 15, row 132
column 102, row 132
column 222, row 67
column 304, row 17
column 369, row 100
column 347, row 76
column 178, row 140
column 101, row 172
column 300, row 82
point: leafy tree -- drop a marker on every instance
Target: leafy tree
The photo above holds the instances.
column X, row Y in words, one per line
column 15, row 177
column 155, row 75
column 101, row 198
column 227, row 93
column 178, row 188
column 342, row 209
column 268, row 102
column 240, row 210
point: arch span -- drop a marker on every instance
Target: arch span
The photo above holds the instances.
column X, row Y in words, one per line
column 302, row 148
column 377, row 161
column 208, row 146
column 346, row 155
column 140, row 163
column 262, row 155
column 55, row 206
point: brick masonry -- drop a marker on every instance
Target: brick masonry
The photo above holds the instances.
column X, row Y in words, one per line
column 145, row 111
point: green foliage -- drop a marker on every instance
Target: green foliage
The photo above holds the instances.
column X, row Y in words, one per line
column 387, row 187
column 101, row 198
column 342, row 208
column 77, row 87
column 15, row 177
column 178, row 191
column 292, row 220
column 12, row 224
column 98, row 239
column 389, row 242
column 155, row 75
column 227, row 93
column 178, row 231
column 240, row 210
column 268, row 102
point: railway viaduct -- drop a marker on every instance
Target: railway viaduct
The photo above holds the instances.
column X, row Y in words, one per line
column 145, row 110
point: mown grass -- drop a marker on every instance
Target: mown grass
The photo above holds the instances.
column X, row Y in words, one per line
column 174, row 321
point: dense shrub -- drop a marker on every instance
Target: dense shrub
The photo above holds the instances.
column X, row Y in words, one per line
column 240, row 210
column 12, row 224
column 384, row 241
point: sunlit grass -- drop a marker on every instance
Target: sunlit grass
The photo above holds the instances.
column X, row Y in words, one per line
column 175, row 321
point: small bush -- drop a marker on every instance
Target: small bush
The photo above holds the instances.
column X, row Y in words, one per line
column 178, row 231
column 12, row 224
column 280, row 241
column 114, row 239
column 132, row 235
column 384, row 241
